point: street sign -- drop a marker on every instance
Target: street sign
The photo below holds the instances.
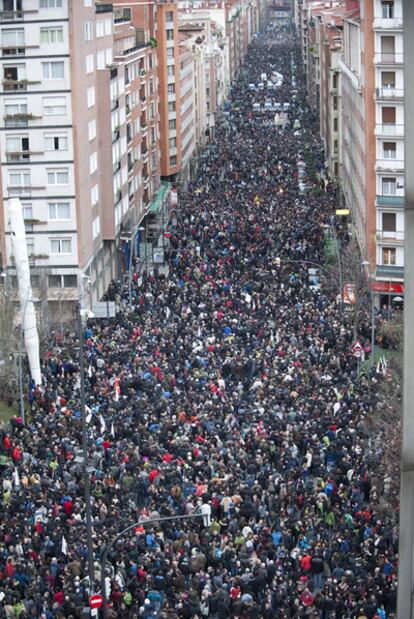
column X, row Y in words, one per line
column 96, row 601
column 104, row 309
column 357, row 350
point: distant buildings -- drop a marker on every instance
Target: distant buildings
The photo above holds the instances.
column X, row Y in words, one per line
column 353, row 53
column 104, row 105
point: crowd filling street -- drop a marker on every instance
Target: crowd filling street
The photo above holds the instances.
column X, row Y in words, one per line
column 230, row 382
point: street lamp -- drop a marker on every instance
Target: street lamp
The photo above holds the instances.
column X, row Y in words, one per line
column 204, row 513
column 366, row 264
column 131, row 253
column 83, row 315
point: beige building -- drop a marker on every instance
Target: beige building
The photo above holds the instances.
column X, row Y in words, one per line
column 80, row 123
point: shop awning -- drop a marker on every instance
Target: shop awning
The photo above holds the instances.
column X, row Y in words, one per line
column 160, row 197
column 388, row 287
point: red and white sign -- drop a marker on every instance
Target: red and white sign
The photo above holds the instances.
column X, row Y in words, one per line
column 357, row 350
column 96, row 601
column 349, row 294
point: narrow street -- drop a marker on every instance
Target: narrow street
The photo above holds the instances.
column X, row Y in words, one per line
column 237, row 388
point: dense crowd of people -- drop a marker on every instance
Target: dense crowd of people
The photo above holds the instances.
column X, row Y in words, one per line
column 230, row 382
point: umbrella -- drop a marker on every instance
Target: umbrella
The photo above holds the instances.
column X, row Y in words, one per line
column 397, row 299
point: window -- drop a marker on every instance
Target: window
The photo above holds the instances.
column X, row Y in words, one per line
column 334, row 80
column 56, row 141
column 16, row 107
column 335, row 146
column 70, row 281
column 53, row 70
column 171, row 88
column 100, row 60
column 54, row 106
column 171, row 106
column 108, row 56
column 390, row 150
column 389, row 186
column 99, row 29
column 207, row 92
column 388, row 79
column 60, row 246
column 19, row 178
column 55, row 281
column 87, row 3
column 170, row 52
column 389, row 222
column 17, row 148
column 57, row 177
column 335, row 124
column 388, row 49
column 108, row 27
column 27, row 211
column 59, row 210
column 172, row 124
column 30, row 247
column 88, row 31
column 90, row 95
column 93, row 163
column 387, row 7
column 389, row 256
column 12, row 41
column 170, row 35
column 89, row 63
column 51, row 35
column 171, row 70
column 388, row 115
column 92, row 130
column 173, row 160
column 50, row 4
column 96, row 227
column 169, row 16
column 173, row 142
column 94, row 195
column 335, row 102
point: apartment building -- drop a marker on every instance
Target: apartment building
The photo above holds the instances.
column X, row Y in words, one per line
column 387, row 38
column 79, row 116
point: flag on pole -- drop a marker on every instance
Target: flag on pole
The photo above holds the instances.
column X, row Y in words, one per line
column 117, row 389
column 64, row 546
column 88, row 414
column 103, row 424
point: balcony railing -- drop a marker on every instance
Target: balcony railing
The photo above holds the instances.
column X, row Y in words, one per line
column 396, row 201
column 11, row 15
column 385, row 23
column 390, row 94
column 15, row 84
column 390, row 270
column 17, row 156
column 390, row 164
column 395, row 236
column 388, row 58
column 390, row 129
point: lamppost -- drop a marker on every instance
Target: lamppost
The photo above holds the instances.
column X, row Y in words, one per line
column 21, row 398
column 204, row 513
column 82, row 316
column 131, row 253
column 366, row 264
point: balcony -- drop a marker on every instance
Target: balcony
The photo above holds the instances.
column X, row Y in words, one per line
column 15, row 85
column 13, row 51
column 389, row 130
column 18, row 156
column 385, row 23
column 18, row 120
column 388, row 58
column 391, row 271
column 395, row 237
column 11, row 16
column 389, row 94
column 395, row 201
column 390, row 165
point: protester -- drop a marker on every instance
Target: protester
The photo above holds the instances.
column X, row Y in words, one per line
column 231, row 382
